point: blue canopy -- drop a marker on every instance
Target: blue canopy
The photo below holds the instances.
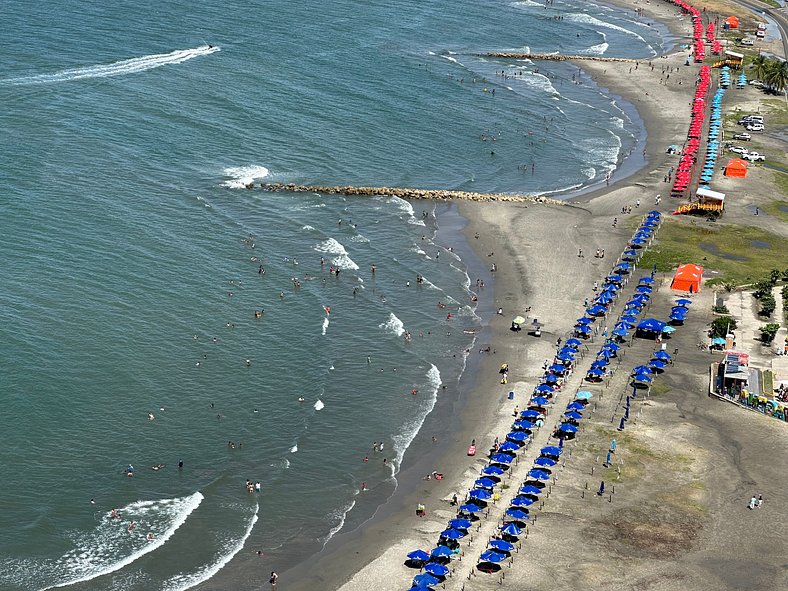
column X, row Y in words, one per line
column 539, row 401
column 604, row 354
column 573, row 342
column 551, row 377
column 596, row 372
column 600, row 363
column 460, row 523
column 452, row 534
column 662, row 355
column 501, row 545
column 480, row 494
column 683, row 302
column 493, row 471
column 566, row 356
column 584, row 395
column 596, row 310
column 437, row 570
column 523, row 424
column 510, row 529
column 611, row 287
column 557, row 368
column 538, row 474
column 642, row 377
column 611, row 346
column 441, row 550
column 544, row 389
column 530, row 414
column 543, row 461
column 651, row 325
column 551, row 450
column 517, row 436
column 656, row 364
column 629, row 318
column 501, row 458
column 575, row 406
column 583, row 329
column 470, row 508
column 522, row 502
column 509, row 445
column 643, row 289
column 568, row 350
column 518, row 514
column 624, row 324
column 585, row 320
column 492, row 556
column 620, row 332
column 575, row 416
column 567, row 428
column 641, row 369
column 646, row 280
column 530, row 489
column 419, row 556
column 426, row 579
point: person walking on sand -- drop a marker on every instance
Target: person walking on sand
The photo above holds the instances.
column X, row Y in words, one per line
column 274, row 578
column 753, row 502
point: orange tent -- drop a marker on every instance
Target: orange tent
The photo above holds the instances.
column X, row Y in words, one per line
column 731, row 22
column 736, row 167
column 687, row 278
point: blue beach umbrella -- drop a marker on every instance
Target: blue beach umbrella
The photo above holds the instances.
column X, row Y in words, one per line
column 557, row 369
column 584, row 395
column 642, row 377
column 573, row 415
column 460, row 523
column 526, row 425
column 538, row 474
column 493, row 471
column 568, row 350
column 599, row 364
column 501, row 545
column 518, row 514
column 501, row 458
column 583, row 329
column 545, row 462
column 575, row 406
column 544, row 389
column 522, row 502
column 436, row 570
column 551, row 450
column 566, row 357
column 620, row 332
column 683, row 302
column 573, row 342
column 662, row 355
column 510, row 529
column 604, row 354
column 492, row 556
column 485, row 483
column 470, row 508
column 611, row 346
column 539, row 401
column 643, row 289
column 629, row 318
column 426, row 579
column 530, row 489
column 646, row 280
column 452, row 534
column 530, row 414
column 624, row 324
column 670, row 329
column 551, row 378
column 441, row 551
column 567, row 428
column 596, row 310
column 509, row 446
column 517, row 436
column 596, row 373
column 419, row 556
column 657, row 364
column 585, row 320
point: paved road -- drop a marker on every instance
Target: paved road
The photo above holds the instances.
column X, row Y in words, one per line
column 780, row 15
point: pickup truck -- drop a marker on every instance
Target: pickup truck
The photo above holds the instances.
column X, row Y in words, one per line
column 754, row 157
column 745, row 137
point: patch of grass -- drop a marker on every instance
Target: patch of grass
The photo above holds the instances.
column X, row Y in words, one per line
column 659, row 387
column 679, row 241
column 777, row 113
column 778, row 209
column 781, row 180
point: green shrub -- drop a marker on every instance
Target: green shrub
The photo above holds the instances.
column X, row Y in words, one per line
column 768, row 332
column 721, row 309
column 768, row 304
column 722, row 326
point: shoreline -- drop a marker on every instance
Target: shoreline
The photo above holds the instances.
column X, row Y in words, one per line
column 386, row 536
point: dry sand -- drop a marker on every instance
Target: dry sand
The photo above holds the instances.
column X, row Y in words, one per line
column 678, row 517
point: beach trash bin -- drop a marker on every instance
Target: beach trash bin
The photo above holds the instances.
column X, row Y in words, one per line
column 511, row 395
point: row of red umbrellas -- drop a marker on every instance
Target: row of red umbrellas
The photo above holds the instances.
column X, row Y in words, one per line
column 697, row 117
column 697, row 28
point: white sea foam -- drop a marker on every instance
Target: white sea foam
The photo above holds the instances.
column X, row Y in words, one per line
column 181, row 582
column 319, row 405
column 294, row 449
column 525, row 4
column 341, row 260
column 451, row 59
column 590, row 20
column 308, row 228
column 242, row 176
column 406, row 208
column 409, row 431
column 539, row 82
column 359, row 238
column 129, row 66
column 589, row 172
column 393, row 325
column 599, row 49
column 326, row 322
column 340, row 515
column 111, row 546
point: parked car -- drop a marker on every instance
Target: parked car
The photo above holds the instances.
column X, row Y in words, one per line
column 754, row 127
column 751, row 119
column 738, row 149
column 754, row 157
column 757, row 83
column 745, row 137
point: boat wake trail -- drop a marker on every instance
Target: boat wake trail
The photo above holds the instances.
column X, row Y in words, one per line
column 130, row 66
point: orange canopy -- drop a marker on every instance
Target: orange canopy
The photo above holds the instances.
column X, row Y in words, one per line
column 732, row 22
column 687, row 278
column 736, row 167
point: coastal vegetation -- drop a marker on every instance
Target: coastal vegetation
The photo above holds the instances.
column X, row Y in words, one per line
column 772, row 72
column 722, row 326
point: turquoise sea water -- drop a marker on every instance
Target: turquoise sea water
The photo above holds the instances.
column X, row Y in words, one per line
column 128, row 131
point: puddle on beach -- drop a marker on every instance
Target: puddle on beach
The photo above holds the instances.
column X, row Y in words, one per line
column 714, row 249
column 784, row 208
column 759, row 244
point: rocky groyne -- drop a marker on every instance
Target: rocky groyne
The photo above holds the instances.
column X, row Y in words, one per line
column 555, row 57
column 407, row 193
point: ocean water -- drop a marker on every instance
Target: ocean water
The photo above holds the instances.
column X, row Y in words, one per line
column 131, row 256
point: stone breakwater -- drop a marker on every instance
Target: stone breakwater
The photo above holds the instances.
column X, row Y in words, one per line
column 407, row 193
column 555, row 57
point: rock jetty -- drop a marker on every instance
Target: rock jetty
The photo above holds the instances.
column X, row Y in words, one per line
column 555, row 57
column 407, row 193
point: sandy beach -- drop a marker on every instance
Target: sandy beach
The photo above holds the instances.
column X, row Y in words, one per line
column 684, row 471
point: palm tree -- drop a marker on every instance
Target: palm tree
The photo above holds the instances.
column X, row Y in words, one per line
column 760, row 66
column 777, row 75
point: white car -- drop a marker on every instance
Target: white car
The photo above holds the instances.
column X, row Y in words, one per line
column 754, row 157
column 738, row 149
column 745, row 137
column 754, row 127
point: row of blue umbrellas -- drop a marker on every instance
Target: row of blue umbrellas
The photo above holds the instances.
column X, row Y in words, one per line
column 715, row 128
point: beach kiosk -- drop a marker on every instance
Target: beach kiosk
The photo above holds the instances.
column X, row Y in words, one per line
column 736, row 167
column 687, row 278
column 734, row 59
column 712, row 200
